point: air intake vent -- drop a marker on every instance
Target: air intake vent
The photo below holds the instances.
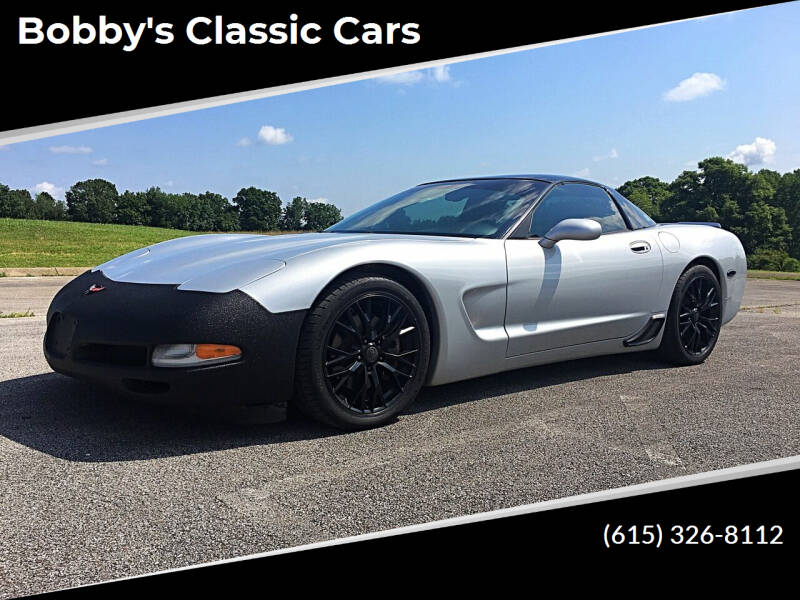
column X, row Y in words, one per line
column 112, row 354
column 647, row 333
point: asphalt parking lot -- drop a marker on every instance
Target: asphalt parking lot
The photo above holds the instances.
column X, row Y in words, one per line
column 95, row 488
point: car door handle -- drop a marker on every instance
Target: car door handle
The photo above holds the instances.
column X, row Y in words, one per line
column 639, row 247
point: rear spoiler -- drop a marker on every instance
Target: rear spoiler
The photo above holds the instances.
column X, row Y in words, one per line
column 709, row 223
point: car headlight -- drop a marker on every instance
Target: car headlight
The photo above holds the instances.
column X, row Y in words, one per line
column 189, row 355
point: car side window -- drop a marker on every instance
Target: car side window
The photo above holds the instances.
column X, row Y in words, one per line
column 576, row 201
column 636, row 216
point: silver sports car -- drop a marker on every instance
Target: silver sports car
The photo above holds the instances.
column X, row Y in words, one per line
column 442, row 282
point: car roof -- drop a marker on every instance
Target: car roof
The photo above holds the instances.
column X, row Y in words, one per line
column 549, row 178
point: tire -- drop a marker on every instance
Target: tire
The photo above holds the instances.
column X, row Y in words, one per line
column 694, row 318
column 363, row 353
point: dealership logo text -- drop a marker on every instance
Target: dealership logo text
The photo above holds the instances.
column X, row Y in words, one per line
column 205, row 30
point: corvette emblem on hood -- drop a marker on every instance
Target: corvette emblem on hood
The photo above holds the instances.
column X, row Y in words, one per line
column 94, row 289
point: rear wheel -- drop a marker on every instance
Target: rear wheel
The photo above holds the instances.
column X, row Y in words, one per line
column 694, row 318
column 363, row 354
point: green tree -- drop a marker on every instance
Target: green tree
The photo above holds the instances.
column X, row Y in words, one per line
column 4, row 200
column 133, row 208
column 684, row 197
column 227, row 215
column 321, row 215
column 770, row 178
column 217, row 213
column 93, row 201
column 726, row 192
column 720, row 190
column 207, row 212
column 764, row 227
column 16, row 204
column 186, row 212
column 47, row 208
column 648, row 193
column 787, row 197
column 193, row 212
column 259, row 210
column 294, row 214
column 162, row 207
column 791, row 264
column 772, row 260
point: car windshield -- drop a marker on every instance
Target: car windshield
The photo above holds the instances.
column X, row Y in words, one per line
column 468, row 208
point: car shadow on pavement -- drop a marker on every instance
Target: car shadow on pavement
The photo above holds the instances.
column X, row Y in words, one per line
column 534, row 378
column 74, row 421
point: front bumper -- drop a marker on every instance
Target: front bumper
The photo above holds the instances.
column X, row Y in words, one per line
column 108, row 338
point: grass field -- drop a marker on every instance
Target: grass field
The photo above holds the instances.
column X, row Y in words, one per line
column 26, row 243
column 29, row 243
column 755, row 274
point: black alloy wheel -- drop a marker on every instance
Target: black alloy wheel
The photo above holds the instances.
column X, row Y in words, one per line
column 694, row 318
column 371, row 352
column 363, row 353
column 699, row 315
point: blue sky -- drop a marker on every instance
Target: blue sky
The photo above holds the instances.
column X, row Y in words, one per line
column 648, row 102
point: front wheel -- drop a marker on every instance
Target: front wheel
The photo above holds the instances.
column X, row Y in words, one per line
column 694, row 318
column 363, row 353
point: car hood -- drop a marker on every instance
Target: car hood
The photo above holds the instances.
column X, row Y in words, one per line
column 223, row 262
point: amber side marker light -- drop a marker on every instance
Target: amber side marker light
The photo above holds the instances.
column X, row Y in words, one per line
column 216, row 351
column 187, row 355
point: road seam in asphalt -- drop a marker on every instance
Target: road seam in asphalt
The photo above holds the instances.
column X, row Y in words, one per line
column 759, row 307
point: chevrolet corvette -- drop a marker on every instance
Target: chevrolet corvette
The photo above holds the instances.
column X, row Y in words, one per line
column 446, row 281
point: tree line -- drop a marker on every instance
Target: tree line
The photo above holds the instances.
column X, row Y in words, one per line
column 762, row 208
column 97, row 201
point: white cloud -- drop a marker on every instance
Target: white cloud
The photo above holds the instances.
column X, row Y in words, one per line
column 51, row 188
column 612, row 154
column 320, row 199
column 70, row 149
column 696, row 86
column 582, row 173
column 274, row 136
column 244, row 142
column 762, row 150
column 100, row 162
column 438, row 74
column 441, row 74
